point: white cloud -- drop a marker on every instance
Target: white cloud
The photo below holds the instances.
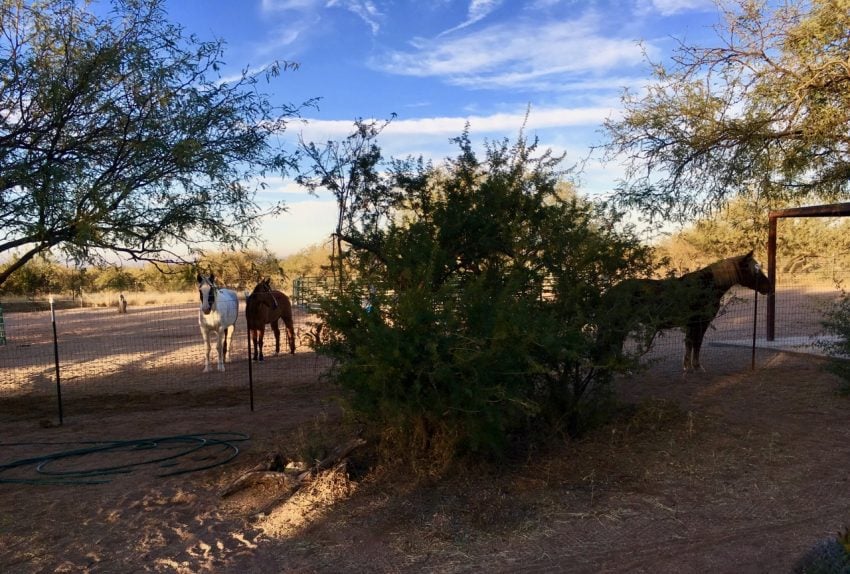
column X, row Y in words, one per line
column 364, row 9
column 478, row 10
column 519, row 54
column 281, row 185
column 268, row 6
column 670, row 7
column 544, row 118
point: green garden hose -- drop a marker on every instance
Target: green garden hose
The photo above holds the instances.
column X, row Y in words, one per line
column 210, row 449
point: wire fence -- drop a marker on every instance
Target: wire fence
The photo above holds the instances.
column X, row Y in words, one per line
column 158, row 350
column 736, row 339
column 152, row 350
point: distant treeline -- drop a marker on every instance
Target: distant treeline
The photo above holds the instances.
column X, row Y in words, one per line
column 238, row 270
column 807, row 245
column 804, row 245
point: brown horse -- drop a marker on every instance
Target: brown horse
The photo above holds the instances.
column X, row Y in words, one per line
column 689, row 302
column 265, row 306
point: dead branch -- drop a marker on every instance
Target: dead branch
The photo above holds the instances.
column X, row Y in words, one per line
column 335, row 459
column 272, row 469
column 332, row 459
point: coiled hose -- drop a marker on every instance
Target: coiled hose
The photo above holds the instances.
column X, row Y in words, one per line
column 206, row 450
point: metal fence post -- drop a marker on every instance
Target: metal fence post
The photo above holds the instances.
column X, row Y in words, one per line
column 250, row 362
column 2, row 328
column 56, row 358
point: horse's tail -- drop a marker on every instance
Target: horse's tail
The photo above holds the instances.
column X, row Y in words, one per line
column 290, row 330
column 286, row 315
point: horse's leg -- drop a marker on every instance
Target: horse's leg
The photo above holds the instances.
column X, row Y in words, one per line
column 687, row 362
column 221, row 347
column 700, row 335
column 228, row 341
column 262, row 332
column 276, row 331
column 253, row 333
column 205, row 334
column 290, row 333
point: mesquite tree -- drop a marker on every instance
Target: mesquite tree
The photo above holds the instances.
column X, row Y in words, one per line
column 118, row 134
column 766, row 109
column 465, row 317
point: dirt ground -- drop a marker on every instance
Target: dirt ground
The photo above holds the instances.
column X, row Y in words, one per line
column 732, row 470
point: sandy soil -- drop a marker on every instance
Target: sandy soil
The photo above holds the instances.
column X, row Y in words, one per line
column 727, row 471
column 732, row 470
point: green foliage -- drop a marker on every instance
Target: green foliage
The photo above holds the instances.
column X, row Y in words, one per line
column 242, row 270
column 837, row 323
column 462, row 324
column 236, row 269
column 830, row 556
column 742, row 225
column 766, row 108
column 40, row 277
column 119, row 135
column 312, row 261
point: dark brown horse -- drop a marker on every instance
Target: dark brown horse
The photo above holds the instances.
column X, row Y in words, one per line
column 266, row 306
column 689, row 302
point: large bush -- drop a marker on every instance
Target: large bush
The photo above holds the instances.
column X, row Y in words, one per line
column 464, row 317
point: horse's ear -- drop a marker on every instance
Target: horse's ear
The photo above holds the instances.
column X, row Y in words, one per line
column 750, row 254
column 212, row 278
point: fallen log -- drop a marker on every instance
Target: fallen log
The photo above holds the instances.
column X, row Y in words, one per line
column 269, row 468
column 272, row 468
column 332, row 459
column 335, row 460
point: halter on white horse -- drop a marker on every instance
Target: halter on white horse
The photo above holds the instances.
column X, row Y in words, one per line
column 216, row 316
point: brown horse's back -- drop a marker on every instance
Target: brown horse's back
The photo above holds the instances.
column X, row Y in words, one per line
column 284, row 308
column 260, row 312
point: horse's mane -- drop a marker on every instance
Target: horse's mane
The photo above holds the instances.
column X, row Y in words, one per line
column 727, row 272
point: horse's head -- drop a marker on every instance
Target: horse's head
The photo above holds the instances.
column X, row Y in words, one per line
column 207, row 291
column 750, row 274
column 264, row 286
column 262, row 293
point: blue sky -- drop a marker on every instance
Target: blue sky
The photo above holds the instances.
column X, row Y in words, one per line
column 438, row 64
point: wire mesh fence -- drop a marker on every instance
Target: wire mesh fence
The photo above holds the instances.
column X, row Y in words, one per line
column 157, row 350
column 154, row 350
column 737, row 337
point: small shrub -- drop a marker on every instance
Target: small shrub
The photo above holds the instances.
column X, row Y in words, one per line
column 830, row 556
column 837, row 323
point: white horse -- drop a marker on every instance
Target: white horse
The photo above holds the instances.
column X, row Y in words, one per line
column 217, row 315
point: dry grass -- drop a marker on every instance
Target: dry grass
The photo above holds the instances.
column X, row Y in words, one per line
column 13, row 303
column 727, row 471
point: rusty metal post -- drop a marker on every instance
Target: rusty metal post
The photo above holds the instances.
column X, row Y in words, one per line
column 830, row 210
column 771, row 276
